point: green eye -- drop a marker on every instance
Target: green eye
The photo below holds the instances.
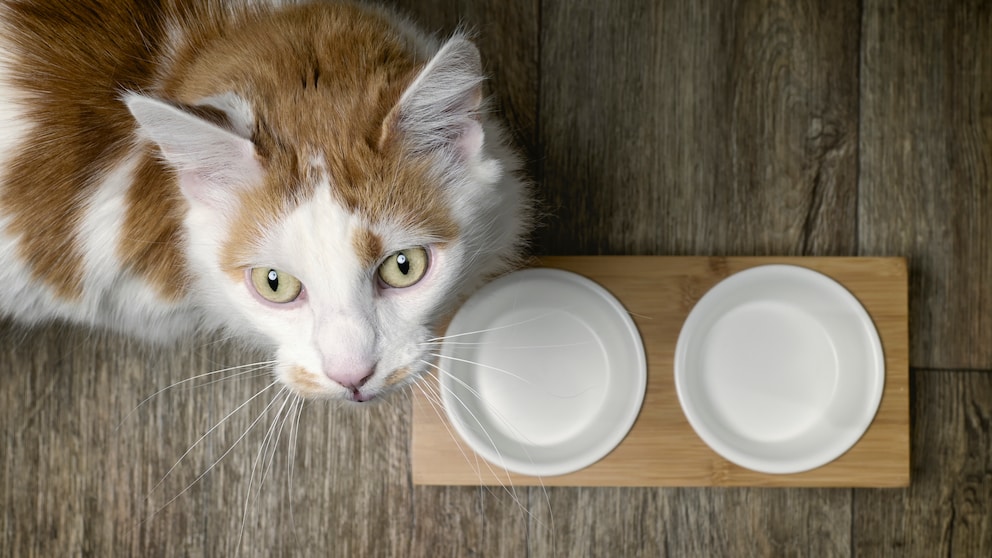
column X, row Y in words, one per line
column 404, row 268
column 275, row 286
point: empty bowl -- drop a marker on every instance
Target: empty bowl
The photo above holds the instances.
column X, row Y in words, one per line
column 779, row 369
column 542, row 372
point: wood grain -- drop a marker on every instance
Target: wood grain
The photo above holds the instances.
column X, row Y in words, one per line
column 741, row 127
column 600, row 521
column 926, row 168
column 699, row 128
column 948, row 509
column 661, row 448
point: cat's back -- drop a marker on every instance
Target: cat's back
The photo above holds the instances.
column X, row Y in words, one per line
column 67, row 166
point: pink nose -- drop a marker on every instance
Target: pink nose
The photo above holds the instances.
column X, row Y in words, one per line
column 351, row 378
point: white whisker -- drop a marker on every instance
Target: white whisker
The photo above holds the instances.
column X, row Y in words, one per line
column 236, row 442
column 493, row 345
column 436, row 403
column 492, row 444
column 262, row 450
column 512, row 375
column 512, row 491
column 496, row 328
column 294, row 431
column 481, row 365
column 253, row 367
column 205, row 434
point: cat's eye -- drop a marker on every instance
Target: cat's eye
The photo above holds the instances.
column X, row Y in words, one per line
column 404, row 268
column 275, row 286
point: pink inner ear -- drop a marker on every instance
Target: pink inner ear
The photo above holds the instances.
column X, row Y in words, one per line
column 195, row 187
column 469, row 143
column 217, row 182
column 199, row 189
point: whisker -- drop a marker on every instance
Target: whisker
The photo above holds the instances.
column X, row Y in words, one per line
column 491, row 442
column 479, row 396
column 218, row 340
column 207, row 433
column 497, row 328
column 253, row 367
column 481, row 344
column 245, row 375
column 266, row 439
column 514, row 376
column 294, row 430
column 436, row 403
column 508, row 487
column 481, row 365
column 231, row 448
column 274, row 446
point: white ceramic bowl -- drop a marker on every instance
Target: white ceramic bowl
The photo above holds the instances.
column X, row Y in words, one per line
column 779, row 369
column 544, row 372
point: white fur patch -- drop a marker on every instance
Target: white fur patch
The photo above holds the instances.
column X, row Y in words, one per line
column 346, row 322
column 111, row 298
column 114, row 297
column 20, row 295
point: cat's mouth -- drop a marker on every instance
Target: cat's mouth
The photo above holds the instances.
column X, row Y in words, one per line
column 391, row 382
column 358, row 397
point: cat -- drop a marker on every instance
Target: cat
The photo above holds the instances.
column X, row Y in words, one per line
column 315, row 178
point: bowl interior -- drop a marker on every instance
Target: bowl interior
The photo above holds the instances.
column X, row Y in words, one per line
column 779, row 369
column 543, row 372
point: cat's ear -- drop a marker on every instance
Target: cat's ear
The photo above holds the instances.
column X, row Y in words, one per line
column 439, row 110
column 208, row 145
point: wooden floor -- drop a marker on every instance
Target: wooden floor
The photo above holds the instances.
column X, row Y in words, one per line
column 816, row 127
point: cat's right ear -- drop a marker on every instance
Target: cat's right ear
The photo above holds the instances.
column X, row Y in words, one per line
column 438, row 112
column 213, row 162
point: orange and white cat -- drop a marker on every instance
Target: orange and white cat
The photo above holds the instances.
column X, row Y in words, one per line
column 314, row 177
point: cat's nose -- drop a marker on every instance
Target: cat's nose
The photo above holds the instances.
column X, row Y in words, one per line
column 351, row 378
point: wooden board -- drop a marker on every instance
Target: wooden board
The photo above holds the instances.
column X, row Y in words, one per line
column 661, row 448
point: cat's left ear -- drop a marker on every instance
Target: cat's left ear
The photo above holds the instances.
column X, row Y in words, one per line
column 439, row 110
column 214, row 157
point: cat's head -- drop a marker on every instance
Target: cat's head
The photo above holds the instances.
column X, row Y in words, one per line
column 339, row 230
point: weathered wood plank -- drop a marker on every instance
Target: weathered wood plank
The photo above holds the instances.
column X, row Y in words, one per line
column 725, row 128
column 693, row 522
column 926, row 168
column 947, row 511
column 600, row 522
column 73, row 480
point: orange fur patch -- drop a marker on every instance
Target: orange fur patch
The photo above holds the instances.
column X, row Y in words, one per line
column 303, row 382
column 72, row 66
column 321, row 80
column 397, row 377
column 368, row 247
column 152, row 232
